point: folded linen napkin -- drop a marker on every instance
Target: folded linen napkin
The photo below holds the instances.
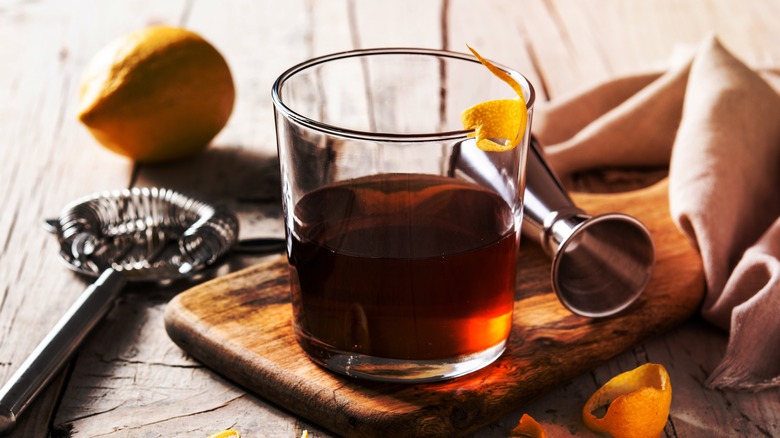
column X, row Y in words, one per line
column 716, row 123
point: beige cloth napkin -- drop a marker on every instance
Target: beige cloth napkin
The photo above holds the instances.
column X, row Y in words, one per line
column 716, row 123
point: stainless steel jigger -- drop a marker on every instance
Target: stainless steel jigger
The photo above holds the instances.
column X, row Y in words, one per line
column 600, row 264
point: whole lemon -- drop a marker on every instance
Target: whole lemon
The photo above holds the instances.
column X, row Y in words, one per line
column 156, row 94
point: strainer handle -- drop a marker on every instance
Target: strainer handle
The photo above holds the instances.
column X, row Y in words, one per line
column 49, row 356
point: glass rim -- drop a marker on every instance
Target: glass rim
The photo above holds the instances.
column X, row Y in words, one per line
column 281, row 106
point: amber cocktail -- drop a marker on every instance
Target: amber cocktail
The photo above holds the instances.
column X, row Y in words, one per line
column 402, row 254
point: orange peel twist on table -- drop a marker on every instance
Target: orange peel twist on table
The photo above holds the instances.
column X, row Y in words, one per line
column 638, row 400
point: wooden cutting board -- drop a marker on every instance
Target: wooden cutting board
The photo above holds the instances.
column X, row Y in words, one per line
column 239, row 325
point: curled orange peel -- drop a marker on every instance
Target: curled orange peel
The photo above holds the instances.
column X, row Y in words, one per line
column 528, row 428
column 503, row 119
column 638, row 401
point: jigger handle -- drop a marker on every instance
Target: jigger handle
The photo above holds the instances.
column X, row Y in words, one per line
column 546, row 200
column 49, row 356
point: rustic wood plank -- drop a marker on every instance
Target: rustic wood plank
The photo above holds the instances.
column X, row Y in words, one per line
column 578, row 44
column 689, row 353
column 405, row 23
column 497, row 31
column 131, row 380
column 547, row 343
column 46, row 159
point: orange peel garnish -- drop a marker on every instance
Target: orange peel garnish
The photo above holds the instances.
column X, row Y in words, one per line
column 229, row 433
column 638, row 401
column 504, row 119
column 528, row 427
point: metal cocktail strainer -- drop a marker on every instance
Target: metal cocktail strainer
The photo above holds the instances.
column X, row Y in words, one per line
column 139, row 234
column 147, row 234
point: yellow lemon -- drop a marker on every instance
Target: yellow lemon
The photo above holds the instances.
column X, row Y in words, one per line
column 156, row 94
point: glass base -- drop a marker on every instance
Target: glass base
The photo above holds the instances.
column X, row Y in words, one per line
column 382, row 369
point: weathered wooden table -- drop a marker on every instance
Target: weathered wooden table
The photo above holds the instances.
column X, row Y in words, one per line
column 129, row 379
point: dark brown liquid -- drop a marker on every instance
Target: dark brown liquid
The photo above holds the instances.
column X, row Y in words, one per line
column 404, row 266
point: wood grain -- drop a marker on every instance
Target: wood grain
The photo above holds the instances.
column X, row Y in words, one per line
column 239, row 325
column 129, row 379
column 46, row 159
